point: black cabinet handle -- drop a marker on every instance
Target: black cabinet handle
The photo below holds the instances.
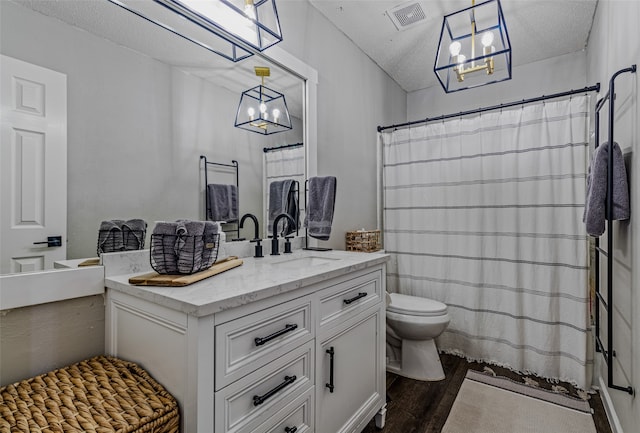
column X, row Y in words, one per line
column 360, row 295
column 287, row 328
column 291, row 429
column 259, row 399
column 331, row 353
column 52, row 241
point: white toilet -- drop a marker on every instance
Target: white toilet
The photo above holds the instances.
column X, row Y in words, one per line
column 412, row 325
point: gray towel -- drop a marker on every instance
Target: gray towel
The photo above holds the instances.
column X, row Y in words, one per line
column 211, row 247
column 223, row 202
column 133, row 234
column 282, row 199
column 189, row 245
column 110, row 236
column 163, row 243
column 320, row 207
column 595, row 211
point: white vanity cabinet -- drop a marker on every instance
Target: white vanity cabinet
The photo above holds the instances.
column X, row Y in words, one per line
column 350, row 354
column 241, row 360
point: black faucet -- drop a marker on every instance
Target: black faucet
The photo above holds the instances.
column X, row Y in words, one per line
column 274, row 231
column 256, row 239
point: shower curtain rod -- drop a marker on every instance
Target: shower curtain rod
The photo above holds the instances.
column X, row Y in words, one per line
column 595, row 88
column 269, row 149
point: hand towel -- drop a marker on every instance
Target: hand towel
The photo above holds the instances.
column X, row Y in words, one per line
column 163, row 241
column 133, row 234
column 595, row 211
column 223, row 202
column 282, row 199
column 320, row 207
column 211, row 244
column 189, row 245
column 110, row 236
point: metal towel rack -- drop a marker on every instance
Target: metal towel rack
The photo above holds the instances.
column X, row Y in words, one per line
column 233, row 165
column 609, row 353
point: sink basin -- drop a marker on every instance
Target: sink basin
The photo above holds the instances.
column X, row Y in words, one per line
column 305, row 262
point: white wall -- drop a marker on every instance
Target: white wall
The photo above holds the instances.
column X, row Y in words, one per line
column 136, row 129
column 40, row 338
column 545, row 77
column 614, row 44
column 354, row 97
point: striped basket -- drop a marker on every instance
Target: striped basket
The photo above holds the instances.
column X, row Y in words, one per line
column 101, row 395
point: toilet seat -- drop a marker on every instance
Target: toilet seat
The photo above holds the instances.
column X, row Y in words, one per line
column 415, row 306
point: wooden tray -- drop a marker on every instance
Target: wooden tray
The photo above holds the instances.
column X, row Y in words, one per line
column 156, row 279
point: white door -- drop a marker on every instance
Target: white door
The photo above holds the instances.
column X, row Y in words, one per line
column 33, row 166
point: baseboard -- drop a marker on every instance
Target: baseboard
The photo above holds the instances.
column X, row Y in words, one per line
column 614, row 422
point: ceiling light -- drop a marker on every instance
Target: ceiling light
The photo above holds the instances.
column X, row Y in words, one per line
column 474, row 48
column 263, row 110
column 255, row 24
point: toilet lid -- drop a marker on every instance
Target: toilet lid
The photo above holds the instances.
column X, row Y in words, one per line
column 415, row 306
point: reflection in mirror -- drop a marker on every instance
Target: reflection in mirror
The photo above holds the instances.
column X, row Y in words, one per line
column 142, row 105
column 284, row 179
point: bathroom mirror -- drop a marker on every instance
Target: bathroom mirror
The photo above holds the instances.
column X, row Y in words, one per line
column 143, row 104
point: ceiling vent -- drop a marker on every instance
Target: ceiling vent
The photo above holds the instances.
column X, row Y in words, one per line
column 406, row 15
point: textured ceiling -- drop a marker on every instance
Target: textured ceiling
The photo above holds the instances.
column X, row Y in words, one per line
column 538, row 29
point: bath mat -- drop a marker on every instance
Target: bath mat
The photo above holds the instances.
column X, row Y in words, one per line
column 488, row 404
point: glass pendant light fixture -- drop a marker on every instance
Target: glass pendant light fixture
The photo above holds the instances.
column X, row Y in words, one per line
column 474, row 48
column 263, row 110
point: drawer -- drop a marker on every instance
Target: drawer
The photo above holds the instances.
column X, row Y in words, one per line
column 349, row 298
column 297, row 417
column 245, row 344
column 252, row 400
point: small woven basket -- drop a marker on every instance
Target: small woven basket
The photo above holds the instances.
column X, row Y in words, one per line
column 101, row 394
column 110, row 241
column 363, row 240
column 183, row 254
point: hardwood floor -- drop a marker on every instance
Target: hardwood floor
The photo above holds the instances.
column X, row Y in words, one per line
column 423, row 407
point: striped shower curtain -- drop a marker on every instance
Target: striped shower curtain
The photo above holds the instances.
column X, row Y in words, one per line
column 485, row 215
column 281, row 164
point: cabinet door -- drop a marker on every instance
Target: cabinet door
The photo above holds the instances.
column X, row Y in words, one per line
column 350, row 376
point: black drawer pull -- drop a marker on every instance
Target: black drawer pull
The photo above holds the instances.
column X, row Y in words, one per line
column 360, row 295
column 287, row 328
column 329, row 385
column 291, row 429
column 259, row 399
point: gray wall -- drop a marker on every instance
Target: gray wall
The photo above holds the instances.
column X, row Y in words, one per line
column 44, row 337
column 535, row 79
column 136, row 129
column 354, row 97
column 615, row 44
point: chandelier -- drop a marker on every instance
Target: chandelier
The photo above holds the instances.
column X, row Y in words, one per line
column 474, row 48
column 263, row 110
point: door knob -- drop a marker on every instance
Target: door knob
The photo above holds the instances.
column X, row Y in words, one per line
column 52, row 241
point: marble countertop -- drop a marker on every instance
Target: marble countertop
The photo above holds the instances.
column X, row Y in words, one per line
column 255, row 279
column 71, row 263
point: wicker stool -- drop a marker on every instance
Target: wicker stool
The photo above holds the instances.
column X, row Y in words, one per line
column 101, row 394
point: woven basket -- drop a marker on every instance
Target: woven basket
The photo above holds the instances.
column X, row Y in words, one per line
column 101, row 395
column 363, row 240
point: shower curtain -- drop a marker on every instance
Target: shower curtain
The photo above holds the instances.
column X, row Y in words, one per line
column 281, row 164
column 485, row 215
